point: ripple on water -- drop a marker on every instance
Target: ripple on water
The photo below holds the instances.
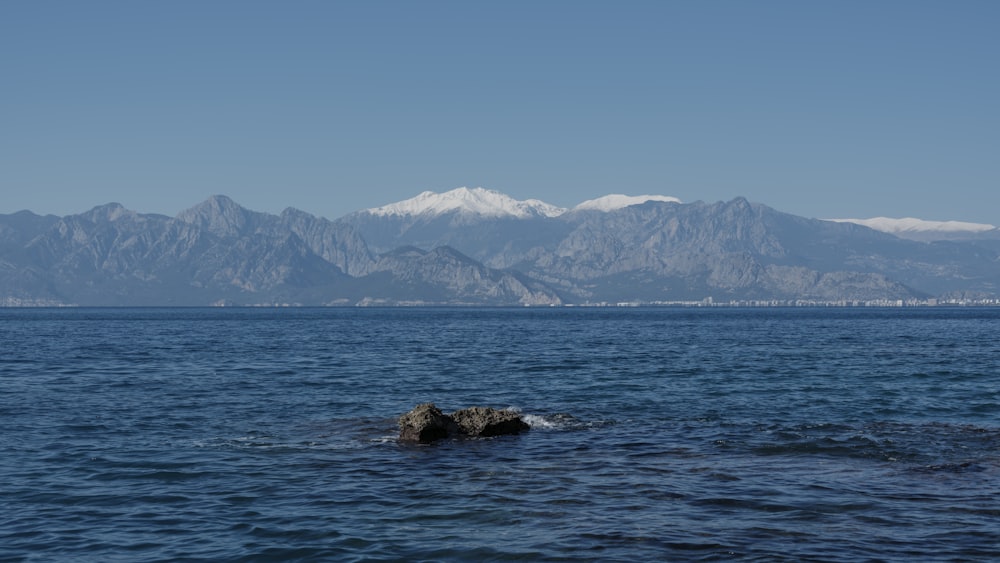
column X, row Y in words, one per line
column 656, row 435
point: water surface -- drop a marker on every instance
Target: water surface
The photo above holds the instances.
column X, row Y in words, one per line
column 678, row 434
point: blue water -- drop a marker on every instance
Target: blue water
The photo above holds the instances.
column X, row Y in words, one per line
column 672, row 434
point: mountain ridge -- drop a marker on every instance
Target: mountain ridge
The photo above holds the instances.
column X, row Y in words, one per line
column 492, row 203
column 653, row 250
column 922, row 229
column 482, row 202
column 612, row 202
column 218, row 252
column 477, row 201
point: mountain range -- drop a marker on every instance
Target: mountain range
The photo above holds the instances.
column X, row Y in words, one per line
column 482, row 247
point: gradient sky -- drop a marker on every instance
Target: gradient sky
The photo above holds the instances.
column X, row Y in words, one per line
column 822, row 109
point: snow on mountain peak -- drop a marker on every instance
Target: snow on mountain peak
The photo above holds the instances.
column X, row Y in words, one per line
column 618, row 201
column 911, row 225
column 478, row 201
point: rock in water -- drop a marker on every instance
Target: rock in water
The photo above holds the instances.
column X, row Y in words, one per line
column 425, row 424
column 486, row 421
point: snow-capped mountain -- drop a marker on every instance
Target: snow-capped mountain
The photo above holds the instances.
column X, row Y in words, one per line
column 491, row 203
column 613, row 202
column 476, row 201
column 649, row 246
column 920, row 229
column 220, row 252
column 463, row 215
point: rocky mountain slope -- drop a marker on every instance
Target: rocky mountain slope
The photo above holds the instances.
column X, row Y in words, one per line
column 475, row 247
column 220, row 253
column 656, row 248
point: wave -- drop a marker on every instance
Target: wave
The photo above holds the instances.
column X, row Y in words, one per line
column 559, row 421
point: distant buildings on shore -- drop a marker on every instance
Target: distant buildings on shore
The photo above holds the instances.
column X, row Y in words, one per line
column 13, row 302
column 752, row 303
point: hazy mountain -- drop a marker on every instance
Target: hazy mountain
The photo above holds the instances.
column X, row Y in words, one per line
column 475, row 247
column 18, row 228
column 922, row 230
column 485, row 222
column 20, row 282
column 614, row 202
column 444, row 275
column 220, row 252
column 656, row 248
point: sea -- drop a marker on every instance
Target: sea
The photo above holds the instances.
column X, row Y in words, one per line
column 668, row 434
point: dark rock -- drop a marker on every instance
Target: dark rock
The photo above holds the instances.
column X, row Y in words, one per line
column 425, row 424
column 486, row 421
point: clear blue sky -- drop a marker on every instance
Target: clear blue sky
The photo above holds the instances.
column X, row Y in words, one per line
column 822, row 109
